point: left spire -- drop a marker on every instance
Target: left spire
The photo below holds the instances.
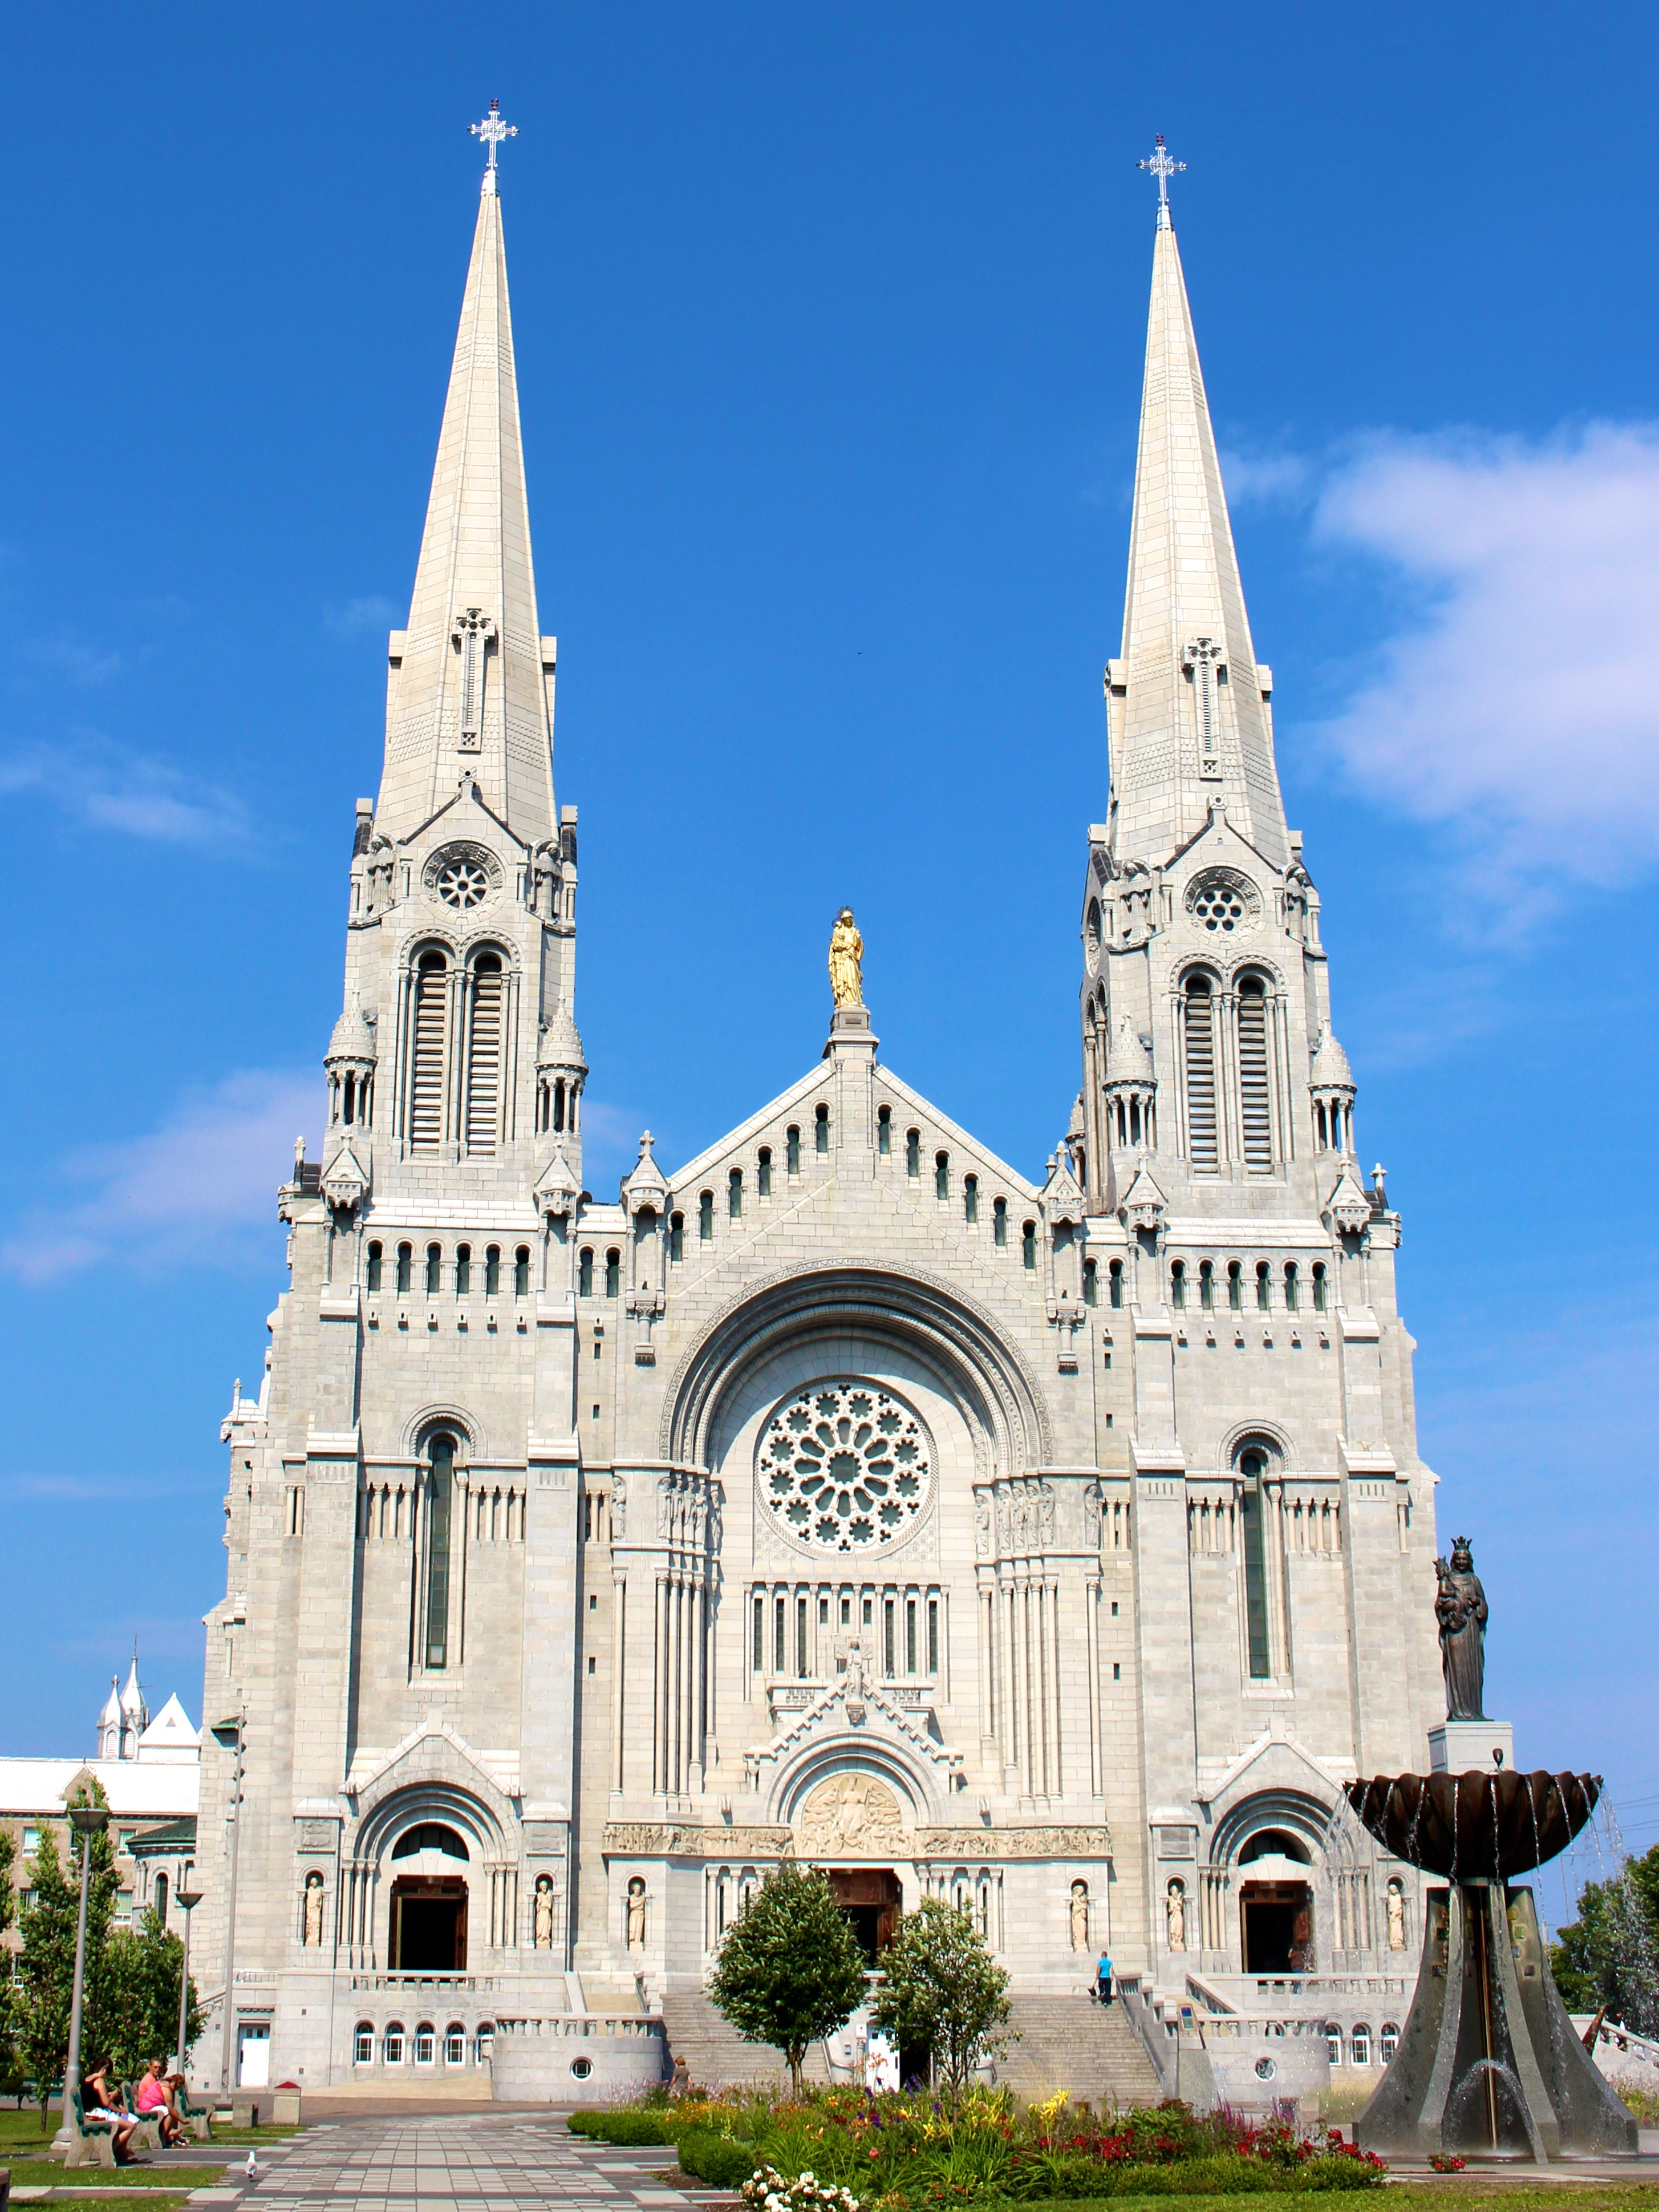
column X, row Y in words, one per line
column 469, row 691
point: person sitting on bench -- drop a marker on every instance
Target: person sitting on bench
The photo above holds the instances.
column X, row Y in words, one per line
column 155, row 2101
column 101, row 2110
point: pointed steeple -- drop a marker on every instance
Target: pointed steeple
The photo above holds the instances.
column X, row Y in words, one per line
column 1190, row 723
column 470, row 683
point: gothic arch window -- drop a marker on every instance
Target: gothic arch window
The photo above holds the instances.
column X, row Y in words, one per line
column 913, row 1152
column 1264, row 1295
column 1319, row 1285
column 677, row 1237
column 1178, row 1285
column 612, row 1272
column 971, row 1199
column 941, row 1175
column 999, row 1220
column 792, row 1139
column 706, row 1216
column 1028, row 1244
column 821, row 1128
column 1091, row 929
column 434, row 1269
column 763, row 1172
column 492, row 1271
column 405, row 1266
column 1206, row 1285
column 1092, row 1282
column 1199, row 1037
column 1114, row 1276
column 373, row 1277
column 1235, row 1287
column 1255, row 1079
column 734, row 1195
column 1252, row 1465
column 883, row 1130
column 584, row 1273
column 462, row 1270
column 486, row 1042
column 428, row 1052
column 1293, row 1287
column 441, row 1497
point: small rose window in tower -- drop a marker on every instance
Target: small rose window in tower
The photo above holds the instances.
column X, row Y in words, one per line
column 1218, row 906
column 462, row 884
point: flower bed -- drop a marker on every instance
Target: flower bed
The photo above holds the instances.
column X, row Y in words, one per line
column 845, row 2150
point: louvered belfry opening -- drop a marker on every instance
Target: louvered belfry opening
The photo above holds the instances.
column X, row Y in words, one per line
column 1201, row 1075
column 426, row 1082
column 483, row 1068
column 1254, row 1110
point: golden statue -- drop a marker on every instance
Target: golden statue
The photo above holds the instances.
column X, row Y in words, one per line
column 847, row 961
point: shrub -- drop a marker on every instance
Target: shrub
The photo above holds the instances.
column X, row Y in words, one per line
column 626, row 2125
column 790, row 1970
column 713, row 2160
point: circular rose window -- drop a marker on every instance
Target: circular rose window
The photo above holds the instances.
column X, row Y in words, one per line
column 845, row 1466
column 1224, row 902
column 462, row 884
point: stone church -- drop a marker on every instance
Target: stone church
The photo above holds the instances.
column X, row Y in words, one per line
column 1050, row 1543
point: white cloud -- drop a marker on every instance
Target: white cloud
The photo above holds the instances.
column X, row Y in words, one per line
column 359, row 617
column 110, row 787
column 1265, row 479
column 201, row 1188
column 1517, row 704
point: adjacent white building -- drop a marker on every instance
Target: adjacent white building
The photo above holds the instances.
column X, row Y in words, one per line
column 1054, row 1543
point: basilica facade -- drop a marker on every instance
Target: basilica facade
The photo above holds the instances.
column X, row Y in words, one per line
column 1054, row 1543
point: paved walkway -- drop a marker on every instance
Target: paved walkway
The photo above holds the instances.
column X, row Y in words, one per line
column 483, row 2162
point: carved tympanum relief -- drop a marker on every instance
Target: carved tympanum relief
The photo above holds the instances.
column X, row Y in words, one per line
column 850, row 1814
column 844, row 1466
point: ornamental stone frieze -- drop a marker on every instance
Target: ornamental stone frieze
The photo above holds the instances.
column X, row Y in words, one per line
column 918, row 1846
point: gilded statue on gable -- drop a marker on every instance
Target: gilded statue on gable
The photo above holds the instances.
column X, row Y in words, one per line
column 847, row 961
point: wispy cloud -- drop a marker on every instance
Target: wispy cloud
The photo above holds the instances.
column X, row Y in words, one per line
column 107, row 785
column 358, row 616
column 67, row 654
column 26, row 1485
column 201, row 1188
column 1265, row 479
column 1514, row 703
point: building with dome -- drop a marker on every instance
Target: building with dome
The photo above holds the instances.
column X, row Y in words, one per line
column 1053, row 1543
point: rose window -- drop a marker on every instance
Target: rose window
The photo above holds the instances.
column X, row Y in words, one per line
column 462, row 884
column 845, row 1466
column 1222, row 902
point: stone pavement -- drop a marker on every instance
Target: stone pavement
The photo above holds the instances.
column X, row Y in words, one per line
column 483, row 2161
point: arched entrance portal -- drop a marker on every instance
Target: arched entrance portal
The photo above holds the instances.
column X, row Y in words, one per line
column 870, row 1897
column 1275, row 1904
column 427, row 1934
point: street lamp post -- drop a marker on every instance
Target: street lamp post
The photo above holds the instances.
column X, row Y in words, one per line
column 87, row 1822
column 189, row 1899
column 228, row 1736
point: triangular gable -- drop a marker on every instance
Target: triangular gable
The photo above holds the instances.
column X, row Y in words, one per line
column 467, row 789
column 854, row 1710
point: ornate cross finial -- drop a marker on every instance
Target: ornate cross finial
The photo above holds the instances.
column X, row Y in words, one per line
column 492, row 131
column 1160, row 165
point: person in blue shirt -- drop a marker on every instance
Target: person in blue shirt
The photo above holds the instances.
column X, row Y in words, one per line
column 1103, row 1978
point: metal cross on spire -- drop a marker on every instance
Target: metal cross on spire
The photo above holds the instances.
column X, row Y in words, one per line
column 492, row 131
column 1163, row 168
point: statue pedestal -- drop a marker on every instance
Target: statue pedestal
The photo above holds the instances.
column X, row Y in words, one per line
column 1456, row 1747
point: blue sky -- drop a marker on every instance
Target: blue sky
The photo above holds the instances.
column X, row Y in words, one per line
column 830, row 327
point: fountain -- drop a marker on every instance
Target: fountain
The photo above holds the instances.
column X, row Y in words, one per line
column 1488, row 2062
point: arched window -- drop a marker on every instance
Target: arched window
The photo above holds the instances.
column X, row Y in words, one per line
column 706, row 1216
column 792, row 1137
column 426, row 2044
column 161, row 1899
column 1387, row 2041
column 821, row 1128
column 441, row 1495
column 1178, row 1284
column 1319, row 1124
column 374, row 1267
column 434, row 1269
column 1319, row 1285
column 1114, row 1277
column 1091, row 929
column 1092, row 1282
column 971, row 1198
column 394, row 2045
column 492, row 1271
column 1293, row 1287
column 999, row 1220
column 1359, row 2043
column 585, row 1273
column 462, row 1270
column 1028, row 1244
column 363, row 2044
column 1334, row 2042
column 941, row 1175
column 1235, row 1287
column 1199, row 1010
column 1255, row 1111
column 612, row 1272
column 734, row 1195
column 429, row 1053
column 454, row 2044
column 485, row 1077
column 1252, row 1505
column 677, row 1237
column 483, row 2044
column 521, row 1271
column 405, row 1266
column 1264, row 1294
column 883, row 1130
column 764, row 1173
column 1206, row 1285
column 913, row 1151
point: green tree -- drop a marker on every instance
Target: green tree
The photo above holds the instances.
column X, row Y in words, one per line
column 11, row 2079
column 1610, row 1954
column 46, row 1966
column 790, row 1969
column 139, row 2012
column 943, row 1991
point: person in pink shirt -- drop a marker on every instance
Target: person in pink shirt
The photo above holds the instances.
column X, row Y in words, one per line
column 155, row 2099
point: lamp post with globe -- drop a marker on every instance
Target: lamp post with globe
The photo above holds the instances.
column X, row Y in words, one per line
column 87, row 1822
column 189, row 1899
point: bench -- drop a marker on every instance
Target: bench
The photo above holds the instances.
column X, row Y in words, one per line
column 196, row 2118
column 147, row 2128
column 88, row 2146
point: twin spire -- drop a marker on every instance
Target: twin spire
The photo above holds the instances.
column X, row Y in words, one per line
column 1189, row 718
column 469, row 688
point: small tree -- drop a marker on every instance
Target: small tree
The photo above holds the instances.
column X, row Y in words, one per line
column 944, row 1991
column 1610, row 1954
column 790, row 1969
column 45, row 1967
column 11, row 2079
column 140, row 2010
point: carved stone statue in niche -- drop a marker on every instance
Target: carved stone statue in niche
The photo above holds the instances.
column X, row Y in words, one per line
column 637, row 1913
column 618, row 1507
column 1079, row 1916
column 982, row 1524
column 1396, row 1911
column 313, row 1935
column 543, row 1933
column 851, row 1815
column 1091, row 1505
column 1460, row 1606
column 1175, row 1915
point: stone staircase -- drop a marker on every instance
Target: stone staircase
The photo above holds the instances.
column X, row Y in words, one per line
column 717, row 2055
column 1070, row 2043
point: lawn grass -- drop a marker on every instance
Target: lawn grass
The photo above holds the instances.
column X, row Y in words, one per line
column 1469, row 2192
column 51, row 2173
